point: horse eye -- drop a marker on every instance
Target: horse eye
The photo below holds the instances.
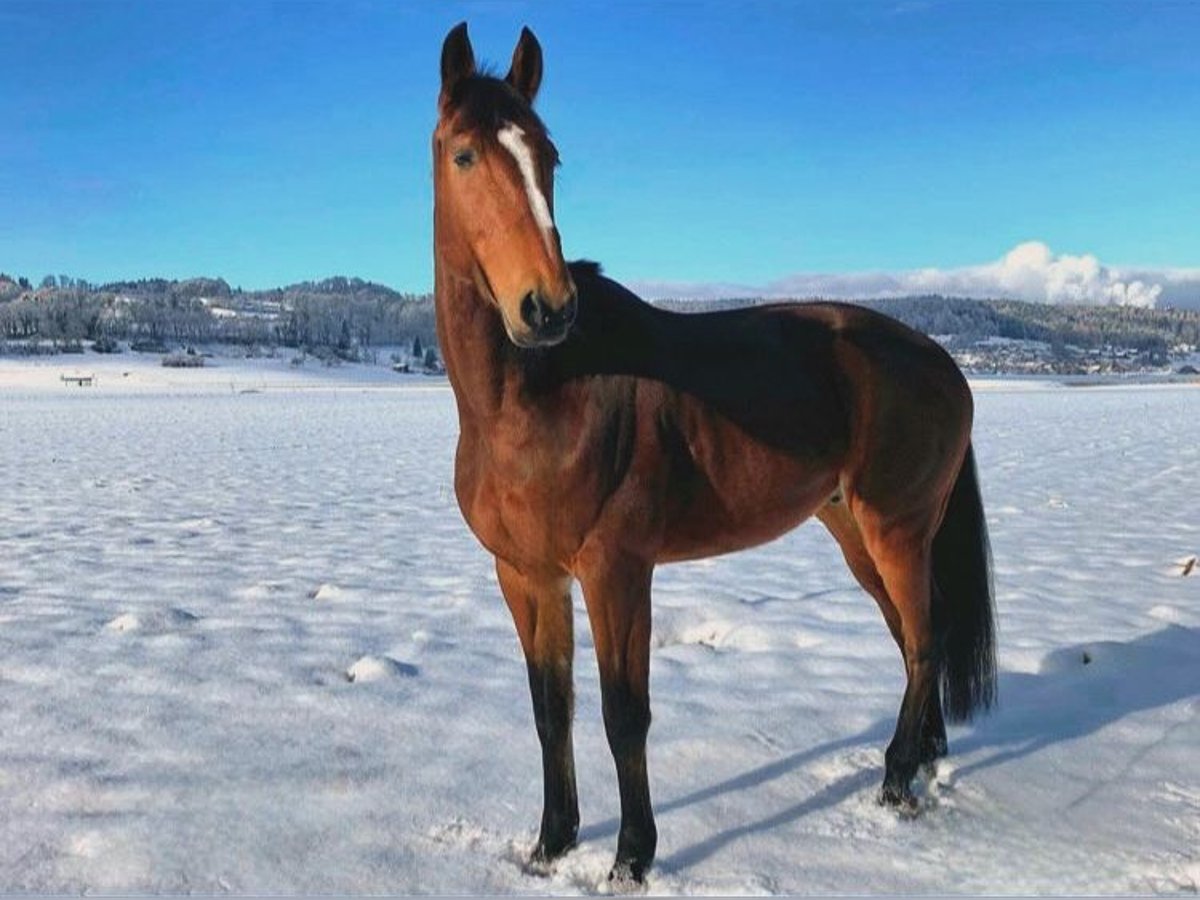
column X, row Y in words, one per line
column 464, row 158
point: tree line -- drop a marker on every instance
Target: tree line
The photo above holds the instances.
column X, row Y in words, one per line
column 962, row 322
column 347, row 315
column 1151, row 332
column 343, row 315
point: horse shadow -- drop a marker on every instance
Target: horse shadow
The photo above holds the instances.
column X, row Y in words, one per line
column 1077, row 691
column 1082, row 689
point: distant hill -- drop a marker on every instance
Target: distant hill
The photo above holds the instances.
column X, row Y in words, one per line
column 1012, row 335
column 342, row 315
column 346, row 317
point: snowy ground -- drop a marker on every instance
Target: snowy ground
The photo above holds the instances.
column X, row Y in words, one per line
column 247, row 645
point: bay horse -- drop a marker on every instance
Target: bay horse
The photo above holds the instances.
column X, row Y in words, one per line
column 600, row 436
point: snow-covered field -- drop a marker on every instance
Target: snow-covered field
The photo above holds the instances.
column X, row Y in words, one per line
column 247, row 645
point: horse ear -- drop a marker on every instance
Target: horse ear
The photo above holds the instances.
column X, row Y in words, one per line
column 525, row 74
column 458, row 60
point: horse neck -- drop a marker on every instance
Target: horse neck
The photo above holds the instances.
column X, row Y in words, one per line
column 473, row 344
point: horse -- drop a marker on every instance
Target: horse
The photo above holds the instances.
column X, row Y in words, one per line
column 600, row 436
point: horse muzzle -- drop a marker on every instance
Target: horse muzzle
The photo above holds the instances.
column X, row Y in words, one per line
column 546, row 324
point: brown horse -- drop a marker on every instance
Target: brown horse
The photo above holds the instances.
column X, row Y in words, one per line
column 600, row 436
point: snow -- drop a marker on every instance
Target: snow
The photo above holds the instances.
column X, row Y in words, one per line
column 247, row 645
column 130, row 373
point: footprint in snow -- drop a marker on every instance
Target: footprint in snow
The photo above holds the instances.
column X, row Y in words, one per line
column 156, row 622
column 262, row 590
column 675, row 629
column 379, row 668
column 584, row 870
column 329, row 593
column 464, row 834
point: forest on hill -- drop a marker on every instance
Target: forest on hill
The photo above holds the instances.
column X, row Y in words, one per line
column 340, row 315
column 961, row 322
column 345, row 317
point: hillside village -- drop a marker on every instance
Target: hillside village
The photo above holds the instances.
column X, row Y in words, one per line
column 349, row 319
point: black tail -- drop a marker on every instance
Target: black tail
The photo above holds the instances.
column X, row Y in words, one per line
column 962, row 600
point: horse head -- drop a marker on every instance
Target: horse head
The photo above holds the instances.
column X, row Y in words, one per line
column 493, row 171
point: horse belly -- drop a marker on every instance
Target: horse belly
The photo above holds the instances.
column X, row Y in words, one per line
column 743, row 504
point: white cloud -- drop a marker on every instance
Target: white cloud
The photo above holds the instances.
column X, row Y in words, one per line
column 1180, row 287
column 1030, row 271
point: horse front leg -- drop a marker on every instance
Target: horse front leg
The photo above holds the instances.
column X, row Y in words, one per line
column 617, row 594
column 541, row 609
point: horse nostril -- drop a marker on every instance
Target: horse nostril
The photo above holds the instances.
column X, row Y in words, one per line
column 542, row 320
column 533, row 313
column 567, row 314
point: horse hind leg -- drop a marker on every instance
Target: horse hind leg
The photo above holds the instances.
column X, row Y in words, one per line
column 934, row 744
column 904, row 565
column 836, row 517
column 920, row 737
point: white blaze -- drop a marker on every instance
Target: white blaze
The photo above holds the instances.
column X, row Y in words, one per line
column 512, row 138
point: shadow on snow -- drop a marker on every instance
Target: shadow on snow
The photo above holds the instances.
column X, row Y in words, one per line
column 1078, row 691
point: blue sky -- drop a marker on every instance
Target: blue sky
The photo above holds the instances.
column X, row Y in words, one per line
column 701, row 142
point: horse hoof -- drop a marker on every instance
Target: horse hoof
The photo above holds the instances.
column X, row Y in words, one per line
column 901, row 799
column 542, row 859
column 537, row 867
column 627, row 876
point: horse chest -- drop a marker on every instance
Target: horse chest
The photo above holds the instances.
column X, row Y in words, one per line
column 513, row 496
